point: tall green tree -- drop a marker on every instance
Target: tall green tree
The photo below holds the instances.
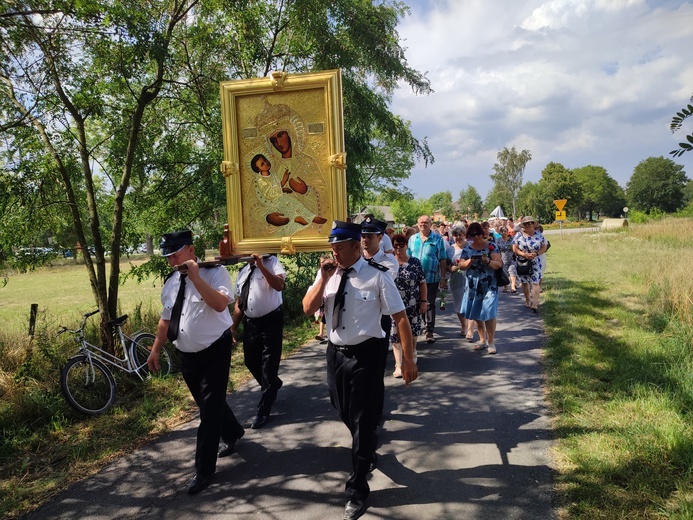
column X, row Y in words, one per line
column 601, row 193
column 688, row 192
column 558, row 182
column 532, row 200
column 657, row 184
column 78, row 83
column 470, row 202
column 442, row 202
column 510, row 169
column 495, row 198
column 407, row 211
column 113, row 107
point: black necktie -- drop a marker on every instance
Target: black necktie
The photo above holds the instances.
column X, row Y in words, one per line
column 339, row 299
column 245, row 290
column 174, row 324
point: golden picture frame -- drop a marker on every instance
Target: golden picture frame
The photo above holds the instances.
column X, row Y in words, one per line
column 284, row 161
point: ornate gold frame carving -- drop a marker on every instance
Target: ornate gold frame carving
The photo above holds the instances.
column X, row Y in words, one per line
column 283, row 154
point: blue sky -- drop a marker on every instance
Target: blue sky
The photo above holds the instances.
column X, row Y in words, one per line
column 577, row 82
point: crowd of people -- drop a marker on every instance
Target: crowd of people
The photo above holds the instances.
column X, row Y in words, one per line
column 465, row 256
column 376, row 292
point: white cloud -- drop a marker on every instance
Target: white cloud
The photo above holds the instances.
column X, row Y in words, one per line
column 573, row 81
column 564, row 13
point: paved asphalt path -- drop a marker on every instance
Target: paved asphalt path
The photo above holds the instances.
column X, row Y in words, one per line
column 469, row 439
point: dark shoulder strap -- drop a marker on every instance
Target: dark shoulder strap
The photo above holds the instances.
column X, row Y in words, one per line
column 378, row 266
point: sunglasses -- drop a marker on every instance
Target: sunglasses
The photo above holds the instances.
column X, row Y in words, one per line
column 397, row 246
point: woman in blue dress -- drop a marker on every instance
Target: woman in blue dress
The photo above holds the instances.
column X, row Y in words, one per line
column 530, row 244
column 480, row 258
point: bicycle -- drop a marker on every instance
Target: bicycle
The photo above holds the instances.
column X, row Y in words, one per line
column 86, row 380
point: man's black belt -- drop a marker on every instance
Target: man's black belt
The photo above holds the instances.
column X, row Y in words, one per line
column 269, row 315
column 350, row 349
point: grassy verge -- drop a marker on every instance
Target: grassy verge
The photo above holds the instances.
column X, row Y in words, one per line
column 619, row 363
column 45, row 445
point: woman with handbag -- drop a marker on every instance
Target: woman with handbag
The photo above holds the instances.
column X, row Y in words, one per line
column 528, row 247
column 480, row 259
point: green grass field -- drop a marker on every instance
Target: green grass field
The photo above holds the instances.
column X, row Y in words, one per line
column 619, row 362
column 63, row 293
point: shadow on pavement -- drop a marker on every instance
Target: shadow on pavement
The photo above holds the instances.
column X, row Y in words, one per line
column 468, row 439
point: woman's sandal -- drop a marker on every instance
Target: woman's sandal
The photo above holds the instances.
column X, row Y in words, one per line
column 535, row 309
column 528, row 305
column 470, row 337
column 480, row 346
column 491, row 348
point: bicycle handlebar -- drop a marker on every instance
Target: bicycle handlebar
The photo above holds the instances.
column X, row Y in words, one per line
column 84, row 322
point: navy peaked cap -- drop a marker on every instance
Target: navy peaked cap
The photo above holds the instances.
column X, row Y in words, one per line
column 373, row 225
column 343, row 231
column 174, row 242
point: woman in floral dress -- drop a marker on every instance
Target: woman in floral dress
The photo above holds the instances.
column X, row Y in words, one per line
column 411, row 283
column 530, row 244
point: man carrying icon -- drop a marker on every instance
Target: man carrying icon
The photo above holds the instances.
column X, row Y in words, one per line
column 356, row 294
column 259, row 288
column 196, row 319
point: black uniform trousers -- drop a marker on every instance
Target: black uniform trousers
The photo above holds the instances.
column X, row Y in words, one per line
column 432, row 294
column 262, row 351
column 207, row 373
column 386, row 324
column 353, row 378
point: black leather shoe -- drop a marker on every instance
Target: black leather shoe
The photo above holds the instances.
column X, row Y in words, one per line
column 259, row 421
column 229, row 448
column 198, row 483
column 354, row 509
column 374, row 463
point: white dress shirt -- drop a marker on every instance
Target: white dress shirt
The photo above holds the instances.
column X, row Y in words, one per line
column 262, row 299
column 370, row 293
column 200, row 325
column 385, row 243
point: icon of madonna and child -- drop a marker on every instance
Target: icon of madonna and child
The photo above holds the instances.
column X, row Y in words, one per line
column 287, row 181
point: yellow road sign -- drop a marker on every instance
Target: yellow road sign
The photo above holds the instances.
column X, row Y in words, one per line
column 560, row 215
column 560, row 203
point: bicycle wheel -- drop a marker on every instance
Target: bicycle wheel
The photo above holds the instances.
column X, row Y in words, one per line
column 139, row 352
column 88, row 390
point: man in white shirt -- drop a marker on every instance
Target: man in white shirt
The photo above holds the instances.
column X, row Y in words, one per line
column 356, row 294
column 259, row 289
column 372, row 233
column 196, row 319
